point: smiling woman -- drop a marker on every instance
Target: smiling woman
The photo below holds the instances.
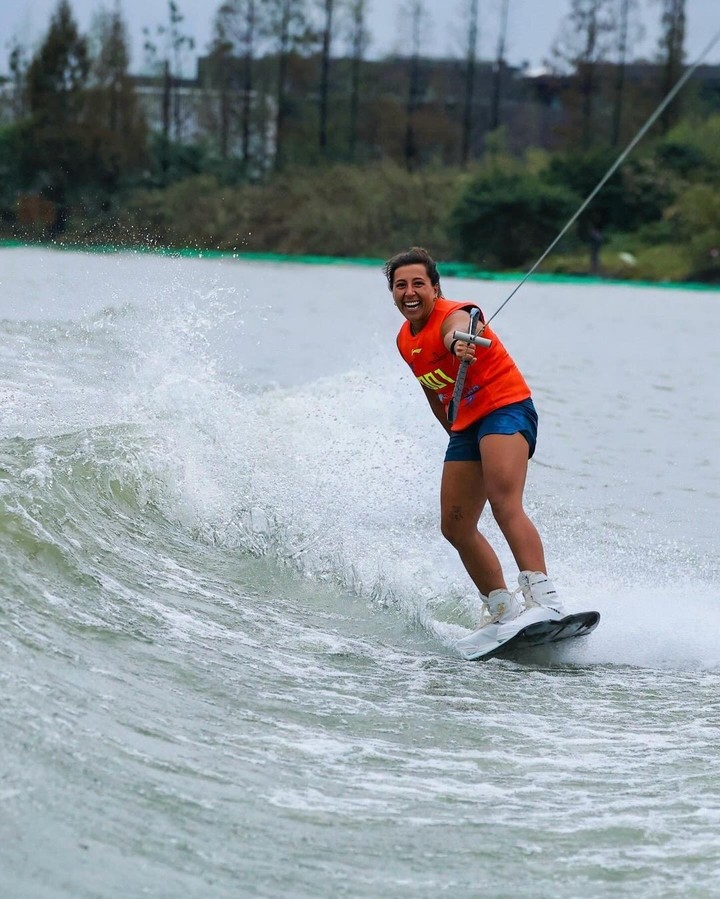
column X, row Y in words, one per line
column 492, row 438
column 415, row 290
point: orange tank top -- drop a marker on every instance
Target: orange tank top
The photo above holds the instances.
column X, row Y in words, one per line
column 492, row 381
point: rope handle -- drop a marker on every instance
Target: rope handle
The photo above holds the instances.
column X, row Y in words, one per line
column 470, row 337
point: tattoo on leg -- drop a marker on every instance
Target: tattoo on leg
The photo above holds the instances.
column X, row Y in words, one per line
column 456, row 513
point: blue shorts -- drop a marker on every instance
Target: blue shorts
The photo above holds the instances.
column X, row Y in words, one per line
column 516, row 418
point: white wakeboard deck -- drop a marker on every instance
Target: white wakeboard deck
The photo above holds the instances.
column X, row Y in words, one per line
column 542, row 632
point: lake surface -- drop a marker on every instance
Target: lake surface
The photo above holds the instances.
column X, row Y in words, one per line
column 227, row 616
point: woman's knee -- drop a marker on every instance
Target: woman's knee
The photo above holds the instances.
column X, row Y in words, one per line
column 456, row 530
column 505, row 509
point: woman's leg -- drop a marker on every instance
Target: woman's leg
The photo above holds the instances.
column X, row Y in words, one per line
column 504, row 464
column 462, row 497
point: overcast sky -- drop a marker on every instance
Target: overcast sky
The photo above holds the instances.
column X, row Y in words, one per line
column 533, row 25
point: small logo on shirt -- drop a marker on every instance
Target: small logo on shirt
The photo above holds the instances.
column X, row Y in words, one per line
column 416, row 350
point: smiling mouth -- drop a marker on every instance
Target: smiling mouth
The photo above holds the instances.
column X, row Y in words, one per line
column 415, row 304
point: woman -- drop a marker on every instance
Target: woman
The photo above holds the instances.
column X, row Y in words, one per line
column 492, row 438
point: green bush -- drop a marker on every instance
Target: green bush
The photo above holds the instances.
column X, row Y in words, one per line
column 507, row 220
column 693, row 148
column 696, row 217
column 581, row 173
column 636, row 194
column 340, row 211
column 664, row 262
column 648, row 190
column 682, row 158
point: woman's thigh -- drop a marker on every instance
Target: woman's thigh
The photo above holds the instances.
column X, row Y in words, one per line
column 504, row 465
column 462, row 496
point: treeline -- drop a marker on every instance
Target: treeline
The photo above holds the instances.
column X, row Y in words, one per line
column 284, row 143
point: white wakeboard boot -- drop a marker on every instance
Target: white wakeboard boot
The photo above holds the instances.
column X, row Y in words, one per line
column 500, row 611
column 541, row 600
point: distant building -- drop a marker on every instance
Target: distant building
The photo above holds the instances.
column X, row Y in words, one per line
column 172, row 105
column 194, row 110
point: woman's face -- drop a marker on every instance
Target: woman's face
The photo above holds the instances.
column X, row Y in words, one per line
column 413, row 293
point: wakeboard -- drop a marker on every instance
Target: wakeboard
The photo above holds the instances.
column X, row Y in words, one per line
column 542, row 632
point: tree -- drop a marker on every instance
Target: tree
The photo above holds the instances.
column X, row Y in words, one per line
column 358, row 45
column 629, row 32
column 672, row 55
column 635, row 195
column 416, row 14
column 238, row 29
column 110, row 76
column 470, row 61
column 170, row 63
column 222, row 73
column 247, row 41
column 288, row 31
column 18, row 65
column 620, row 74
column 507, row 219
column 583, row 43
column 57, row 75
column 327, row 34
column 499, row 66
column 56, row 155
column 113, row 114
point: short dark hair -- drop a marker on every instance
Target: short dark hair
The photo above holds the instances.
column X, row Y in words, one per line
column 413, row 256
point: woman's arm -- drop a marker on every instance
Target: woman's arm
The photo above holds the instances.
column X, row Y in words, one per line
column 456, row 321
column 437, row 408
column 459, row 321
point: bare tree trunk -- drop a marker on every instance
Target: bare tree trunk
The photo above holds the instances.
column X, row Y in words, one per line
column 325, row 73
column 586, row 41
column 179, row 43
column 499, row 67
column 470, row 61
column 357, row 43
column 220, row 59
column 620, row 72
column 672, row 43
column 237, row 25
column 283, row 58
column 224, row 117
column 18, row 66
column 587, row 72
column 248, row 63
column 417, row 14
column 166, row 100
